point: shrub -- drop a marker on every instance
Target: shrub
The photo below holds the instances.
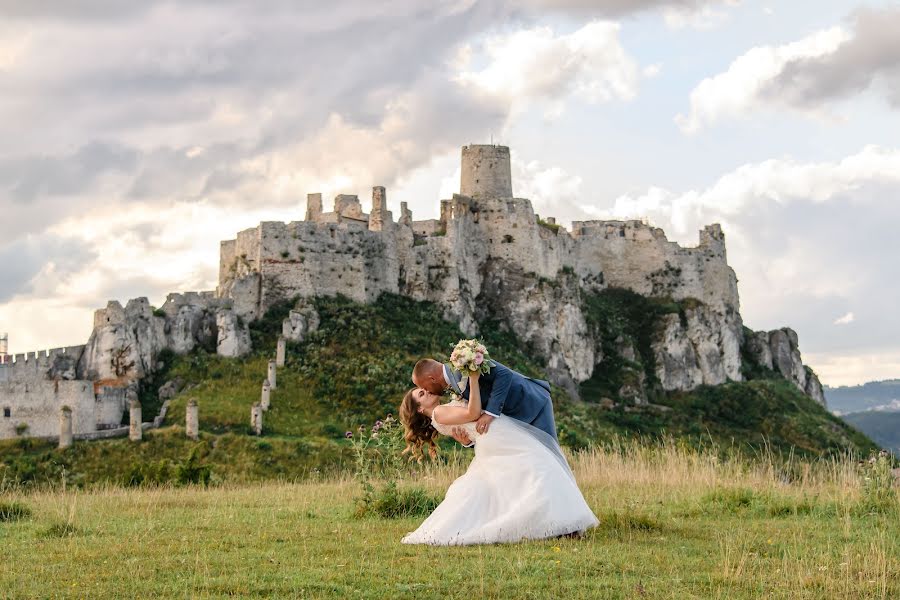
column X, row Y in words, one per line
column 624, row 522
column 391, row 502
column 378, row 455
column 13, row 511
column 878, row 494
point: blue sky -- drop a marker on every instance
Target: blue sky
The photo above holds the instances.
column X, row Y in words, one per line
column 136, row 135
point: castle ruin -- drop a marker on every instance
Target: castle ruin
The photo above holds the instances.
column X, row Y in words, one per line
column 487, row 255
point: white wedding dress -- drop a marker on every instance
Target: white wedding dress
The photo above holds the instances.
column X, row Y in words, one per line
column 518, row 486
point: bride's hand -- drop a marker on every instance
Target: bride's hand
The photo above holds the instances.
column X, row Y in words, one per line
column 474, row 375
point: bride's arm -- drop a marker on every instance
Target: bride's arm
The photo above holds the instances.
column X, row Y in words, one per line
column 457, row 415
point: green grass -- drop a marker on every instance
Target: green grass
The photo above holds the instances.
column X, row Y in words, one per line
column 675, row 523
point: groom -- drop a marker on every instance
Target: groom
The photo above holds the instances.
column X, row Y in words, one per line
column 503, row 392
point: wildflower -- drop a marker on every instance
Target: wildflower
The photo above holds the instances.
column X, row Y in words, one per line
column 348, row 434
column 556, row 548
column 379, row 423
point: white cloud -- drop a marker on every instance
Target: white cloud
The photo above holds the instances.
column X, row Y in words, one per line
column 539, row 65
column 708, row 16
column 807, row 75
column 737, row 91
column 847, row 318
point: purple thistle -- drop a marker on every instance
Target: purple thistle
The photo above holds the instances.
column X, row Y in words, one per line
column 348, row 434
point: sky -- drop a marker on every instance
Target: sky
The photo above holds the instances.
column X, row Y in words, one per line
column 135, row 135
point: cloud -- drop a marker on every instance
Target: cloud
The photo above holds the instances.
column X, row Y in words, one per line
column 805, row 75
column 847, row 318
column 43, row 257
column 807, row 240
column 534, row 65
column 677, row 13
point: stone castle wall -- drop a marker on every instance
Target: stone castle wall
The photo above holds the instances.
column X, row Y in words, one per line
column 36, row 405
column 487, row 242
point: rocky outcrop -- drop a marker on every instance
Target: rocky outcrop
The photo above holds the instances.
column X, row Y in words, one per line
column 125, row 342
column 301, row 321
column 778, row 350
column 546, row 314
column 698, row 346
column 234, row 338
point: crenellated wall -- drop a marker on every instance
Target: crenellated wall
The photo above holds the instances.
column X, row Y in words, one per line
column 39, row 365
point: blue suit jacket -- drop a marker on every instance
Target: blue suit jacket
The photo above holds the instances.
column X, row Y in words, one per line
column 508, row 392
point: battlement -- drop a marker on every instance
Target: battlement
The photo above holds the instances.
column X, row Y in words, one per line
column 23, row 358
column 37, row 365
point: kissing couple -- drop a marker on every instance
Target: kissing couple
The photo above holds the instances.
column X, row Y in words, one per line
column 519, row 485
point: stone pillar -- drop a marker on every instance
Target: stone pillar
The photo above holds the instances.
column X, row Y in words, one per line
column 378, row 216
column 266, row 392
column 65, row 427
column 272, row 383
column 256, row 419
column 279, row 351
column 405, row 214
column 135, row 432
column 313, row 207
column 191, row 421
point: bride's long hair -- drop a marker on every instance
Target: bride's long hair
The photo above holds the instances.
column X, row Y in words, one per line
column 418, row 428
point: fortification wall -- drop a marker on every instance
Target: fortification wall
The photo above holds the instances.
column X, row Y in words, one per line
column 637, row 256
column 41, row 365
column 36, row 405
column 513, row 234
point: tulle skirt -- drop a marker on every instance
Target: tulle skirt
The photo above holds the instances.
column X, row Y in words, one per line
column 517, row 487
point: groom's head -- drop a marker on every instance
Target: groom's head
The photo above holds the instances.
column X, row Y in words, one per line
column 429, row 374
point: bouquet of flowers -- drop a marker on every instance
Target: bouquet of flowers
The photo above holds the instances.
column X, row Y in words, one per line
column 470, row 356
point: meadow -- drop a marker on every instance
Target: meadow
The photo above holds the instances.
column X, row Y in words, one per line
column 676, row 522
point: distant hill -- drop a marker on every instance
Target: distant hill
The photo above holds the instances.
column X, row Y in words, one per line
column 856, row 398
column 883, row 427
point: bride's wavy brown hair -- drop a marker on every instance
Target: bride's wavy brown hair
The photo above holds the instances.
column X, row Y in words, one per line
column 418, row 429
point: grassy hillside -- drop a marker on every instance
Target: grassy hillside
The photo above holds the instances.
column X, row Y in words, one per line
column 883, row 427
column 355, row 369
column 675, row 523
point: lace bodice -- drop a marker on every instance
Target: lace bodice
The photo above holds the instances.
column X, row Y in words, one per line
column 448, row 429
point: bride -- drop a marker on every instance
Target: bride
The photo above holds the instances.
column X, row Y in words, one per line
column 518, row 486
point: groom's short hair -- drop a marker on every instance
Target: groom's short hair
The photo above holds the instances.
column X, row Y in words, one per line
column 424, row 368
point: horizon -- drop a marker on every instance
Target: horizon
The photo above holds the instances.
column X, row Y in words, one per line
column 127, row 129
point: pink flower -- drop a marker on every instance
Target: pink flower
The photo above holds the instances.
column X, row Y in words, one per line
column 479, row 358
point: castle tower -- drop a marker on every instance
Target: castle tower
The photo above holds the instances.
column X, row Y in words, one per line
column 4, row 347
column 485, row 172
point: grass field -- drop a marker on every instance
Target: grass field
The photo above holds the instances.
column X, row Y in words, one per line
column 675, row 523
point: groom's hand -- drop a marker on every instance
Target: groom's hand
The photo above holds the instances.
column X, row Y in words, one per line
column 483, row 423
column 460, row 435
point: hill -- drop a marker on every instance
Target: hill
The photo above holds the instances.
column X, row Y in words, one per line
column 355, row 367
column 882, row 426
column 857, row 398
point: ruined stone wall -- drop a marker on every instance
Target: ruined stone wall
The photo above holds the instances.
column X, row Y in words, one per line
column 637, row 256
column 36, row 404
